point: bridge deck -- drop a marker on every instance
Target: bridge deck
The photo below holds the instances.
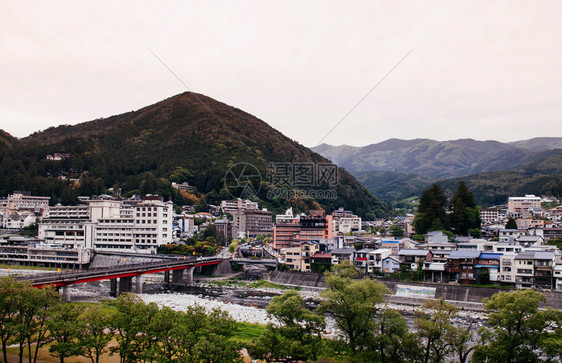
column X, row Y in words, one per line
column 76, row 277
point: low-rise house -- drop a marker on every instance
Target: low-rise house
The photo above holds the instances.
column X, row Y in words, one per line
column 557, row 273
column 508, row 269
column 460, row 266
column 298, row 258
column 490, row 263
column 412, row 257
column 530, row 240
column 361, row 258
column 467, row 246
column 552, row 232
column 434, row 271
column 534, row 270
column 509, row 235
column 393, row 245
column 390, row 264
column 340, row 254
column 320, row 262
column 375, row 259
column 507, row 247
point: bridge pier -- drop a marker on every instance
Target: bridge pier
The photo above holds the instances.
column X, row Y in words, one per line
column 113, row 287
column 138, row 284
column 177, row 276
column 66, row 294
column 125, row 284
column 189, row 276
column 166, row 278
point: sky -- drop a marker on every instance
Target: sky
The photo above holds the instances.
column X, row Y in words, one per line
column 487, row 70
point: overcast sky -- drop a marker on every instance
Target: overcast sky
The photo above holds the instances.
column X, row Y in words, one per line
column 479, row 69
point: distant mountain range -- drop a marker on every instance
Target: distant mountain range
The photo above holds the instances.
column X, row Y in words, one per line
column 186, row 138
column 439, row 159
column 397, row 169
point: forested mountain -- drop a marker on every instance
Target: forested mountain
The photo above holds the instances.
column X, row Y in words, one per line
column 395, row 169
column 539, row 177
column 188, row 137
column 439, row 159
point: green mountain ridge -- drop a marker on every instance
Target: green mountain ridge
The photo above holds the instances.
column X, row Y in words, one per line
column 188, row 137
column 491, row 188
column 438, row 159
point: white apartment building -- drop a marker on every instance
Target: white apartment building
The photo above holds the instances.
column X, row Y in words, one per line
column 109, row 225
column 347, row 224
column 238, row 205
column 66, row 226
column 288, row 217
column 19, row 201
column 491, row 215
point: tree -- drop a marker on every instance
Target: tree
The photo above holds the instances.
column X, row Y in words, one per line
column 516, row 329
column 298, row 335
column 393, row 341
column 233, row 246
column 32, row 309
column 434, row 325
column 64, row 330
column 483, row 276
column 475, row 232
column 396, row 230
column 94, row 334
column 511, row 224
column 461, row 342
column 465, row 214
column 129, row 322
column 352, row 304
column 431, row 211
column 8, row 299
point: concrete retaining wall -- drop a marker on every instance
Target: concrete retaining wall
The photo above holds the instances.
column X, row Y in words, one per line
column 448, row 292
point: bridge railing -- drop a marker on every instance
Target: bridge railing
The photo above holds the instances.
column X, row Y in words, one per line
column 104, row 271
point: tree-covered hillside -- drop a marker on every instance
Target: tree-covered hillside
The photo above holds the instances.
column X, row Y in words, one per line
column 188, row 137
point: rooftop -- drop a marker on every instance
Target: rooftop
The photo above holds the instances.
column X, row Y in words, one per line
column 464, row 254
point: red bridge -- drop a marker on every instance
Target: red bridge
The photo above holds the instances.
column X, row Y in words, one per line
column 124, row 273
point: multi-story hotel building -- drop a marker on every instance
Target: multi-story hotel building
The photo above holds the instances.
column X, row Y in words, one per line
column 517, row 205
column 23, row 202
column 110, row 225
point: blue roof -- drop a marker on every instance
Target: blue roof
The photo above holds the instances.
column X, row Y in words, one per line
column 393, row 241
column 491, row 256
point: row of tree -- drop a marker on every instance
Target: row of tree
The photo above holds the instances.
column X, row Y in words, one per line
column 33, row 318
column 517, row 331
column 462, row 218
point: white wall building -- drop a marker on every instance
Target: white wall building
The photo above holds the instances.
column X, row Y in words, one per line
column 109, row 225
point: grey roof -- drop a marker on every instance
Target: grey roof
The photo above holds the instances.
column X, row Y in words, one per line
column 535, row 255
column 393, row 257
column 365, row 250
column 464, row 254
column 410, row 252
column 342, row 251
column 529, row 238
